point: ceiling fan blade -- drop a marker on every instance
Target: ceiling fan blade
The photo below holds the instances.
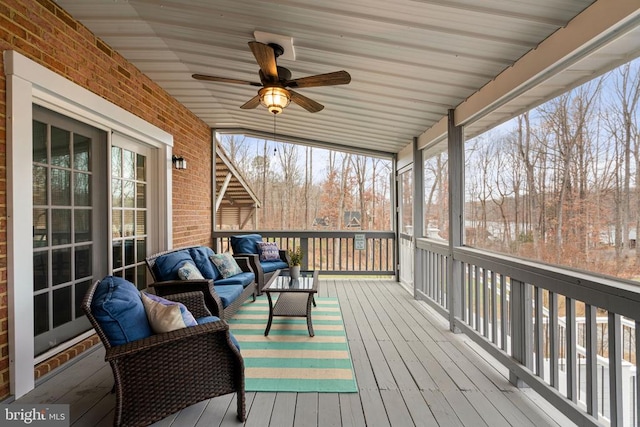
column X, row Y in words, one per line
column 223, row 80
column 308, row 104
column 266, row 59
column 329, row 79
column 252, row 103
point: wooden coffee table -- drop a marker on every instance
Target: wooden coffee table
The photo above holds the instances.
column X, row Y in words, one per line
column 295, row 296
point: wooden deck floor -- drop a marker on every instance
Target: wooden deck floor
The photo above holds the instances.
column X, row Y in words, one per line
column 410, row 370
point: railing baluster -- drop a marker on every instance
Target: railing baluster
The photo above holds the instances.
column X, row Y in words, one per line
column 539, row 331
column 470, row 269
column 591, row 345
column 485, row 304
column 553, row 339
column 504, row 315
column 570, row 354
column 476, row 285
column 494, row 307
column 615, row 371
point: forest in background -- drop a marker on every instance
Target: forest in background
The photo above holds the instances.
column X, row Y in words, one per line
column 559, row 183
column 307, row 188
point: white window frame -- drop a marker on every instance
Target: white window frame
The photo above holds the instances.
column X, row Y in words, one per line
column 30, row 83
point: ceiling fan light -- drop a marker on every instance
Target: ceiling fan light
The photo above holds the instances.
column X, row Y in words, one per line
column 274, row 98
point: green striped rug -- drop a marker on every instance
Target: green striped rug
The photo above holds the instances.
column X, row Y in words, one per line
column 289, row 359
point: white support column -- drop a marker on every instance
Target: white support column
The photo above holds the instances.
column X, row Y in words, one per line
column 418, row 215
column 455, row 277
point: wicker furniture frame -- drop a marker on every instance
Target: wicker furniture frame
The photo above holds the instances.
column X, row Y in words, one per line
column 211, row 298
column 164, row 373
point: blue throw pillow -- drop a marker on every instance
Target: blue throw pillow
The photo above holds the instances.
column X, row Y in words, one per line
column 245, row 243
column 117, row 307
column 166, row 266
column 201, row 257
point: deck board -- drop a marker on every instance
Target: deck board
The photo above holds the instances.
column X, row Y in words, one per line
column 410, row 370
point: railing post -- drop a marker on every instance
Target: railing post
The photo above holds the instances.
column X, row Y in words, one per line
column 419, row 269
column 304, row 245
column 521, row 312
column 455, row 277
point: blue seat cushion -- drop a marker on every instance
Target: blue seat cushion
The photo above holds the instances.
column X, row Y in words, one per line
column 228, row 293
column 245, row 243
column 243, row 279
column 201, row 258
column 166, row 266
column 269, row 266
column 209, row 319
column 118, row 309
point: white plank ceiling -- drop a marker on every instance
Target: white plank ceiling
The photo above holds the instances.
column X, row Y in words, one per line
column 410, row 60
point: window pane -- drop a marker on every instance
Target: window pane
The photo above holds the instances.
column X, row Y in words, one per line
column 61, row 226
column 81, row 153
column 60, row 155
column 128, row 194
column 60, row 187
column 116, row 193
column 80, row 291
column 40, row 228
column 82, row 226
column 128, row 223
column 39, row 142
column 39, row 185
column 84, row 262
column 141, row 227
column 62, row 306
column 142, row 277
column 116, row 226
column 40, row 313
column 116, row 162
column 141, row 193
column 130, row 274
column 40, row 270
column 61, row 265
column 82, row 189
column 129, row 254
column 117, row 254
column 128, row 165
column 142, row 167
column 141, row 249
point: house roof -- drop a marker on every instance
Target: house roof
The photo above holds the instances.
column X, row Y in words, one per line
column 411, row 61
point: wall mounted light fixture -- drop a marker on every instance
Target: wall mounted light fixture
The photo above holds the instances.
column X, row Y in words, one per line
column 179, row 162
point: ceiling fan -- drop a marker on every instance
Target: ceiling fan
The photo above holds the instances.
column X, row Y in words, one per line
column 275, row 81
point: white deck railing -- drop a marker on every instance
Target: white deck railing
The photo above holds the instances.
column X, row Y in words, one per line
column 526, row 315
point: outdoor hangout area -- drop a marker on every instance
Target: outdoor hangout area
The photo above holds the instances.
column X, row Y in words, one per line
column 320, row 213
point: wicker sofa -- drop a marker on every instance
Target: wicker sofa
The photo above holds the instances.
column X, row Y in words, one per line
column 223, row 296
column 246, row 246
column 158, row 374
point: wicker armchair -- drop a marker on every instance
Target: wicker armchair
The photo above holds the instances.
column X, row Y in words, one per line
column 164, row 373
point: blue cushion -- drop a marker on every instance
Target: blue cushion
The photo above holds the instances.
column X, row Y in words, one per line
column 243, row 279
column 118, row 309
column 245, row 244
column 209, row 319
column 228, row 293
column 167, row 266
column 269, row 266
column 201, row 259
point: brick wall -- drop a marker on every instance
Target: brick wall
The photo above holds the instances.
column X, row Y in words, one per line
column 45, row 33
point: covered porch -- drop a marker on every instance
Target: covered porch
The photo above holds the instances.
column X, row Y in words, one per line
column 410, row 370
